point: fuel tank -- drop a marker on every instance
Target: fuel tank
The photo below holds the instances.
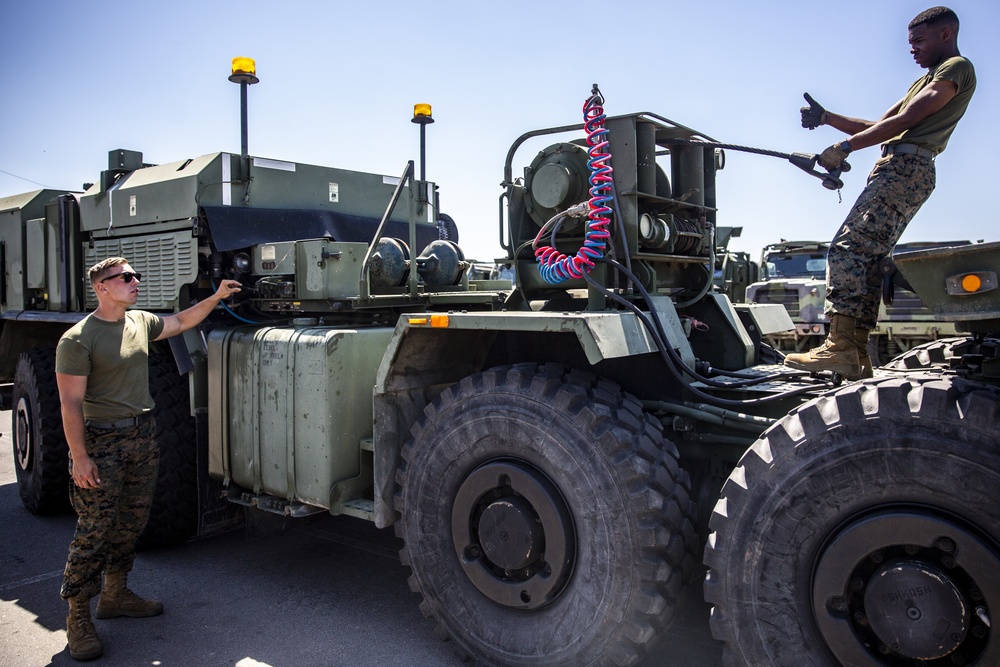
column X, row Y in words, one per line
column 289, row 406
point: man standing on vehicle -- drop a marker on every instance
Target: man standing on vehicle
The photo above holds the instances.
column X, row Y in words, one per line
column 912, row 133
column 103, row 378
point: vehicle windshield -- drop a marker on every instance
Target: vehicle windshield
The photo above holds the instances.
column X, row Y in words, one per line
column 796, row 266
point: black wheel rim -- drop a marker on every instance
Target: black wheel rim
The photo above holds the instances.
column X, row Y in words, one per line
column 513, row 534
column 922, row 592
column 22, row 435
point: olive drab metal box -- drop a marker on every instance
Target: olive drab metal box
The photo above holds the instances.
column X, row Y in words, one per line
column 39, row 256
column 289, row 406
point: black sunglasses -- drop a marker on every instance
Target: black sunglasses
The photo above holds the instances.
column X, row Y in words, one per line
column 126, row 276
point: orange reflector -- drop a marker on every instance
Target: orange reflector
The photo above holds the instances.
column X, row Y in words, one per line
column 971, row 282
column 439, row 321
column 974, row 282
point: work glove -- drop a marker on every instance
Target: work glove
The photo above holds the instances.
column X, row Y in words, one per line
column 813, row 115
column 832, row 158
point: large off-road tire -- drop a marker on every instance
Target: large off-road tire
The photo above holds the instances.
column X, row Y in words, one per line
column 862, row 529
column 41, row 456
column 934, row 354
column 544, row 518
column 174, row 514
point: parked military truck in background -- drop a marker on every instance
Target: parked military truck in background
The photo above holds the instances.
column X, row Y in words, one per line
column 793, row 274
column 904, row 322
column 556, row 455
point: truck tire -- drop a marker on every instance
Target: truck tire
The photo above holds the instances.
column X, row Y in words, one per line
column 41, row 456
column 933, row 354
column 544, row 518
column 173, row 516
column 861, row 529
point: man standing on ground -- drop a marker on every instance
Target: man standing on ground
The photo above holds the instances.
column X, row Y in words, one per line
column 912, row 133
column 103, row 378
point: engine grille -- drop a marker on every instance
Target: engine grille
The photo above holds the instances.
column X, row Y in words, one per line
column 789, row 298
column 166, row 262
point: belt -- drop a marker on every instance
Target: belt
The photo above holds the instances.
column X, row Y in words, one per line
column 128, row 422
column 907, row 149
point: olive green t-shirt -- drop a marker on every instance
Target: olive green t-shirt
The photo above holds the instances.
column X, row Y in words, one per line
column 115, row 358
column 933, row 132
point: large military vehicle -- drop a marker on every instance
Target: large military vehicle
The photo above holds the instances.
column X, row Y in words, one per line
column 555, row 454
column 793, row 274
column 904, row 322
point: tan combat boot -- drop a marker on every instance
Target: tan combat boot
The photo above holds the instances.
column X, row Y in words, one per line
column 117, row 600
column 861, row 342
column 81, row 637
column 838, row 353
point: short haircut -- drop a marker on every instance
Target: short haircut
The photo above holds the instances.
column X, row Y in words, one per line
column 96, row 272
column 934, row 16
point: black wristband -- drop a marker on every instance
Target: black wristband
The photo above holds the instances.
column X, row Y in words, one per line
column 845, row 146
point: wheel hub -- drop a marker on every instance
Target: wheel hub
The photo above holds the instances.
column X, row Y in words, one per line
column 513, row 534
column 916, row 610
column 904, row 586
column 22, row 435
column 510, row 533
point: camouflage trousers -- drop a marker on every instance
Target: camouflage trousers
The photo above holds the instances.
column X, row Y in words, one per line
column 897, row 187
column 112, row 516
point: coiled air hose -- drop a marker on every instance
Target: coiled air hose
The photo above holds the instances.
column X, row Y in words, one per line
column 556, row 267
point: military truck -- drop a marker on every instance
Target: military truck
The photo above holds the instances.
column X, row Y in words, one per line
column 795, row 276
column 904, row 322
column 556, row 454
column 793, row 273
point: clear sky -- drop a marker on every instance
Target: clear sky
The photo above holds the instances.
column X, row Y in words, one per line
column 339, row 80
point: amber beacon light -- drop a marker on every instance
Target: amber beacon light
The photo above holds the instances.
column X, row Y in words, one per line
column 244, row 71
column 422, row 113
column 422, row 117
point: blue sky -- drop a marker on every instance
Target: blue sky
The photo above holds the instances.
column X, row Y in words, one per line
column 339, row 80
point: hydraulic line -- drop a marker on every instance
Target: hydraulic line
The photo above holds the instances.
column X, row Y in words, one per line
column 576, row 211
column 229, row 310
column 676, row 366
column 713, row 415
column 708, row 282
column 621, row 232
column 556, row 267
column 659, row 333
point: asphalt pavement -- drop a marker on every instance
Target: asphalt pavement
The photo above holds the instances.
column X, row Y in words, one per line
column 318, row 592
